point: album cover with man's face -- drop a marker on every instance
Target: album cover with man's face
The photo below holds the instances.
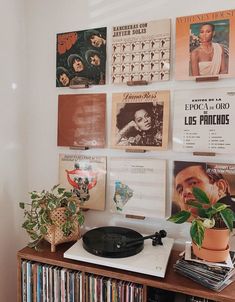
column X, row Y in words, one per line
column 205, row 45
column 81, row 57
column 217, row 180
column 141, row 51
column 81, row 120
column 140, row 120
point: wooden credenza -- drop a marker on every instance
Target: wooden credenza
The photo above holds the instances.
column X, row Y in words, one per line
column 172, row 281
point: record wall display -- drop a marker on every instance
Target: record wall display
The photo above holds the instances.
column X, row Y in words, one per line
column 204, row 120
column 205, row 45
column 81, row 120
column 81, row 57
column 85, row 176
column 141, row 51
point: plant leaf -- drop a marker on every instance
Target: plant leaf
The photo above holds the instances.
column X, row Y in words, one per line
column 22, row 205
column 197, row 231
column 72, row 207
column 200, row 196
column 228, row 218
column 194, row 204
column 180, row 217
column 43, row 229
column 80, row 218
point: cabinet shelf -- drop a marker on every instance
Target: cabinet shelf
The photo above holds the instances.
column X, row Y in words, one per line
column 172, row 281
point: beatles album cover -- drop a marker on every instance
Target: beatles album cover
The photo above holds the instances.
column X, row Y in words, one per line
column 81, row 120
column 81, row 57
column 140, row 120
column 204, row 120
column 86, row 177
column 217, row 180
column 141, row 51
column 205, row 45
column 137, row 186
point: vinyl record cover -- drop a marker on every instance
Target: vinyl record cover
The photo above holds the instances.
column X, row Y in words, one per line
column 81, row 57
column 86, row 177
column 141, row 51
column 137, row 186
column 217, row 180
column 205, row 45
column 204, row 120
column 81, row 120
column 140, row 120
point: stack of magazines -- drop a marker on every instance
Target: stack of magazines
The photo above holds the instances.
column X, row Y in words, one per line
column 215, row 276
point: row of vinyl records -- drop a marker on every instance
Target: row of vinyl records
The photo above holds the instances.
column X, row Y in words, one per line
column 46, row 283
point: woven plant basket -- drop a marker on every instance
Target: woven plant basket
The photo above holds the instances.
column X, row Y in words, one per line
column 55, row 235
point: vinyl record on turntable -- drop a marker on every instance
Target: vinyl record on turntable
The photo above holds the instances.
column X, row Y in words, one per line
column 113, row 242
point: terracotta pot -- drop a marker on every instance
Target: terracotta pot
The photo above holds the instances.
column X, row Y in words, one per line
column 215, row 246
column 216, row 239
column 211, row 255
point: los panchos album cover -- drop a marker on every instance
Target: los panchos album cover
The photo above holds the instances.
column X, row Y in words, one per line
column 204, row 120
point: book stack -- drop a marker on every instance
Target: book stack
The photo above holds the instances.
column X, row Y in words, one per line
column 215, row 276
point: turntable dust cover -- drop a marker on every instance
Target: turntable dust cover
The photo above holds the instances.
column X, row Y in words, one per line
column 137, row 186
column 86, row 177
column 141, row 51
column 140, row 120
column 81, row 57
column 205, row 45
column 217, row 180
column 81, row 120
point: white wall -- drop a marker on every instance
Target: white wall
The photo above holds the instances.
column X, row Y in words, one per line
column 13, row 167
column 46, row 18
column 33, row 65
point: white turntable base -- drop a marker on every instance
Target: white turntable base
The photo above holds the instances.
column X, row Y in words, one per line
column 152, row 260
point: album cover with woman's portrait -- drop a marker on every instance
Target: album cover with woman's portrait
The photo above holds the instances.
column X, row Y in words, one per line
column 81, row 120
column 204, row 120
column 85, row 176
column 140, row 120
column 81, row 57
column 141, row 51
column 137, row 186
column 217, row 180
column 205, row 45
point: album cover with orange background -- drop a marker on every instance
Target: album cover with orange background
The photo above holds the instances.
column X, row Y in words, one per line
column 205, row 45
column 81, row 120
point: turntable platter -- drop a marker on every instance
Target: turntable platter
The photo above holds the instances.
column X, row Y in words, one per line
column 112, row 242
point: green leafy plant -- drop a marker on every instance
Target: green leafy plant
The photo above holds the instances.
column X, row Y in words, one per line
column 217, row 215
column 37, row 213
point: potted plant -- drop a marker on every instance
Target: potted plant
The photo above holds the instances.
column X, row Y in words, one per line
column 52, row 215
column 210, row 225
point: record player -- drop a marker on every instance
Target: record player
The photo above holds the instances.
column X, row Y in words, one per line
column 125, row 249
